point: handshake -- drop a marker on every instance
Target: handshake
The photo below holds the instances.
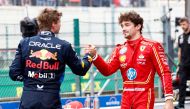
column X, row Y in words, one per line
column 91, row 50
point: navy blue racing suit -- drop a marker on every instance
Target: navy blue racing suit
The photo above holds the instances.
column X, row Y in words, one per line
column 40, row 63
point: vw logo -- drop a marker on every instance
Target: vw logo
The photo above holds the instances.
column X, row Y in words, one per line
column 131, row 74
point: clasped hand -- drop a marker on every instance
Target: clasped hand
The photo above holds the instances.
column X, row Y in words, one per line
column 91, row 49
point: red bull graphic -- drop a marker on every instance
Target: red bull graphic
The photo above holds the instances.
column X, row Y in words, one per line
column 44, row 54
column 42, row 65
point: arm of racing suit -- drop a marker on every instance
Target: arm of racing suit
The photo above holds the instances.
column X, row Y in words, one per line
column 162, row 68
column 110, row 67
column 16, row 68
column 78, row 66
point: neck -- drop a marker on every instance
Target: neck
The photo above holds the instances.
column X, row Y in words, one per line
column 135, row 37
column 52, row 30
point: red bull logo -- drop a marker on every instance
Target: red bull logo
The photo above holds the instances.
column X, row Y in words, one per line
column 44, row 54
column 42, row 65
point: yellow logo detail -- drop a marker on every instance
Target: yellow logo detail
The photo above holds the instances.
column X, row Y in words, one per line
column 89, row 58
column 122, row 58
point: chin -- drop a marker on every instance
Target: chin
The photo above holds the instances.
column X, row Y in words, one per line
column 56, row 32
column 127, row 37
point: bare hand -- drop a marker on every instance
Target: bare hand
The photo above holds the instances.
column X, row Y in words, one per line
column 91, row 49
column 169, row 104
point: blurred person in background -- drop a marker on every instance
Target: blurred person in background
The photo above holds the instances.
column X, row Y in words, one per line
column 184, row 60
column 2, row 2
column 29, row 27
column 40, row 63
column 138, row 59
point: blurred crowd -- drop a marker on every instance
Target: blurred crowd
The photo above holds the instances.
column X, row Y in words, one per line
column 93, row 3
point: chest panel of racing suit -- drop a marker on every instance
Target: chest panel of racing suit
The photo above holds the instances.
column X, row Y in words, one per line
column 135, row 63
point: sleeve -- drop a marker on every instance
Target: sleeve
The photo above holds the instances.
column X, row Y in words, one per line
column 77, row 65
column 109, row 67
column 179, row 40
column 16, row 69
column 162, row 68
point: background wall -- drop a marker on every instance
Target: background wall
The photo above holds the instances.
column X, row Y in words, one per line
column 97, row 25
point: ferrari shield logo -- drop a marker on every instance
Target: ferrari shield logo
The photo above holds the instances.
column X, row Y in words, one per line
column 142, row 48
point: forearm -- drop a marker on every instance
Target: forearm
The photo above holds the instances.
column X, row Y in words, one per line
column 16, row 70
column 102, row 66
column 167, row 85
column 179, row 55
column 15, row 75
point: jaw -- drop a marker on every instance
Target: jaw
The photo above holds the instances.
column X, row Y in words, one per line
column 127, row 35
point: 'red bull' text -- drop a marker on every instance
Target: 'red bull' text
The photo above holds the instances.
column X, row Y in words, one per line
column 42, row 65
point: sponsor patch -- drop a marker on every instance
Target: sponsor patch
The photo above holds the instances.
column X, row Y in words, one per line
column 45, row 65
column 142, row 48
column 123, row 65
column 40, row 87
column 134, row 89
column 141, row 56
column 44, row 54
column 38, row 75
column 122, row 58
column 123, row 50
column 44, row 45
column 131, row 74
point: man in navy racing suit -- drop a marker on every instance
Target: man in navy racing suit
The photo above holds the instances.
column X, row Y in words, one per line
column 40, row 63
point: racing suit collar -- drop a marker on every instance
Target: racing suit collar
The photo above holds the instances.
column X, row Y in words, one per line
column 134, row 41
column 46, row 33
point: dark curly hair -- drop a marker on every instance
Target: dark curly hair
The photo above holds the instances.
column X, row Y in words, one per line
column 133, row 17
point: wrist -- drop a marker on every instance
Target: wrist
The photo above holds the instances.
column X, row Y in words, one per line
column 95, row 57
column 169, row 98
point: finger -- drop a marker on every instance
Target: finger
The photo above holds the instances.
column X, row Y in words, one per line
column 93, row 46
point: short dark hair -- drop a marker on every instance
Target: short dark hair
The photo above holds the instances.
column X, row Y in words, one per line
column 183, row 19
column 133, row 17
